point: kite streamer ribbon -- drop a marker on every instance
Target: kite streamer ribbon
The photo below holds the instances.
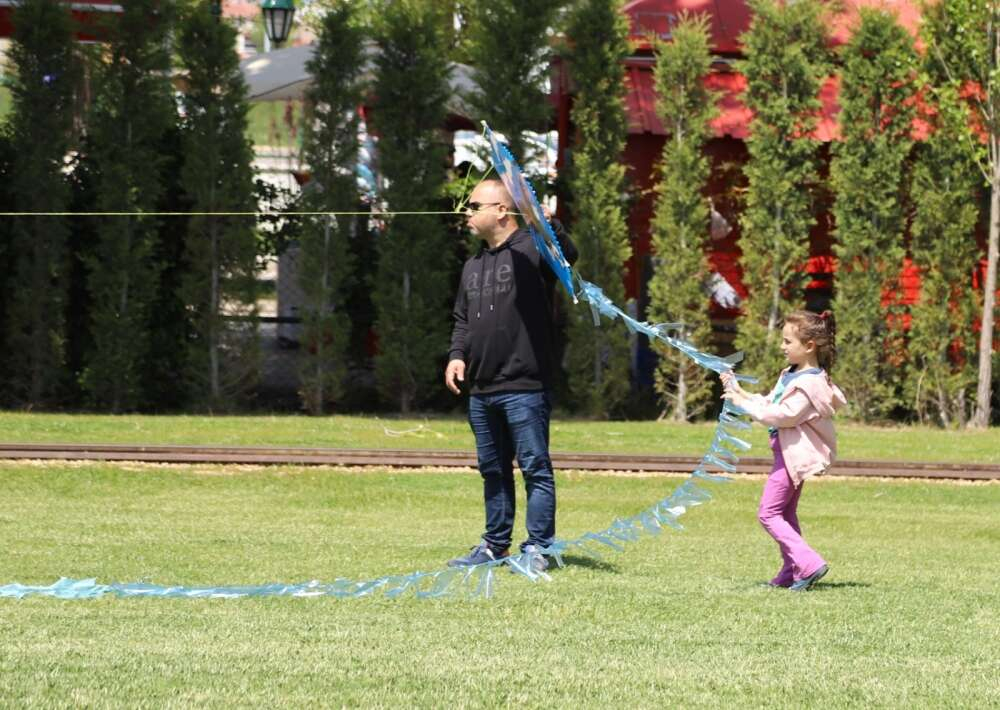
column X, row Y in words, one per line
column 720, row 460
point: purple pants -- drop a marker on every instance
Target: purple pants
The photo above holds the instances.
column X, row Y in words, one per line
column 778, row 504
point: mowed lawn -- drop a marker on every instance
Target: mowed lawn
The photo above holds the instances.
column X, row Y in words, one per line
column 897, row 443
column 907, row 617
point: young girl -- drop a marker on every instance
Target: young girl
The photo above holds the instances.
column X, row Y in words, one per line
column 799, row 411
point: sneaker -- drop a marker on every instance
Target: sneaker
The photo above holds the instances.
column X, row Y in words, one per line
column 478, row 555
column 806, row 583
column 538, row 561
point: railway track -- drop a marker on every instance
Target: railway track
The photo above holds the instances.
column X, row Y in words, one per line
column 415, row 458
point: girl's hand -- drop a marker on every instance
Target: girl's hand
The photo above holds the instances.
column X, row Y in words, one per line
column 729, row 382
column 733, row 396
column 731, row 388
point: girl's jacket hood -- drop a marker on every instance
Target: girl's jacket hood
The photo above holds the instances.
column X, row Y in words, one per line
column 825, row 396
column 803, row 418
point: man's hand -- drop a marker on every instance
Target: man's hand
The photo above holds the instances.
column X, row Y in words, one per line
column 454, row 373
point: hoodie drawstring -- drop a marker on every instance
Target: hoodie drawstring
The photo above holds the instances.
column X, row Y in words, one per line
column 493, row 300
column 482, row 267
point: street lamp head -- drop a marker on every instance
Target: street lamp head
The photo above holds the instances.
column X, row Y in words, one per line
column 277, row 18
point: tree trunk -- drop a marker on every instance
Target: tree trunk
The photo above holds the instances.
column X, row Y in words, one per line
column 598, row 351
column 774, row 316
column 122, row 319
column 323, row 304
column 680, row 408
column 982, row 416
column 981, row 419
column 214, row 314
column 404, row 389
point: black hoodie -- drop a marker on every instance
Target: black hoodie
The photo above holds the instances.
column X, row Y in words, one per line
column 503, row 316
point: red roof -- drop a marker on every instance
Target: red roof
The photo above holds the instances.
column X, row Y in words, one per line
column 85, row 13
column 730, row 18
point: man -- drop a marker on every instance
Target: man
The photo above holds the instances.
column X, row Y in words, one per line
column 501, row 347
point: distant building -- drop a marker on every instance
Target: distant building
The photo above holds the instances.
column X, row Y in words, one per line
column 727, row 149
column 85, row 13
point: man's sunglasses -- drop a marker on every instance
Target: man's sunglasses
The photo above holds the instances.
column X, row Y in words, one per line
column 477, row 206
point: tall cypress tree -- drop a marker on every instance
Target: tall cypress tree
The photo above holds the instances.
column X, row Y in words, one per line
column 40, row 125
column 786, row 61
column 680, row 226
column 6, row 205
column 412, row 295
column 330, row 146
column 220, row 284
column 508, row 47
column 598, row 358
column 82, row 241
column 133, row 109
column 941, row 370
column 963, row 42
column 169, row 325
column 867, row 174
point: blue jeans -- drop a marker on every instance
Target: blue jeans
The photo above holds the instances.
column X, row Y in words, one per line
column 509, row 425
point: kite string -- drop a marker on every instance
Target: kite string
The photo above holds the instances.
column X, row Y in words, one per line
column 255, row 213
column 460, row 208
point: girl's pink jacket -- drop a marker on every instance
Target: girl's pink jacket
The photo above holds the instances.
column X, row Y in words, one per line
column 804, row 420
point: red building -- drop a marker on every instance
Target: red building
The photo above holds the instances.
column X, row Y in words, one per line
column 87, row 14
column 728, row 20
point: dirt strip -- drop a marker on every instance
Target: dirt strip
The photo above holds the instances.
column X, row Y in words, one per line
column 416, row 458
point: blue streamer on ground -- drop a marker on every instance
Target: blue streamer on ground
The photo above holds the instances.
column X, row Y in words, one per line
column 480, row 580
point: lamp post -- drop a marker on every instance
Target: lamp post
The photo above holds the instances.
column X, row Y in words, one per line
column 278, row 16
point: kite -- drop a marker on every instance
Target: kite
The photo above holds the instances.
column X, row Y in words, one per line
column 719, row 460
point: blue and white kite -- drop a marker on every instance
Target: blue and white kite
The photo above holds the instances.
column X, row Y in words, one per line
column 479, row 581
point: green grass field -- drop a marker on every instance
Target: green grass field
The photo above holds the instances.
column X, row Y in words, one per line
column 907, row 617
column 855, row 442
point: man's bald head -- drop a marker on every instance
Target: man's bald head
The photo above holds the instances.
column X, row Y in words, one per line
column 490, row 213
column 492, row 190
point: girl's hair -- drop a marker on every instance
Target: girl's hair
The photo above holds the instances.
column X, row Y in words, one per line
column 819, row 328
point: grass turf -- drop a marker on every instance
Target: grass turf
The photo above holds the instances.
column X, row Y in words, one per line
column 908, row 615
column 855, row 442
